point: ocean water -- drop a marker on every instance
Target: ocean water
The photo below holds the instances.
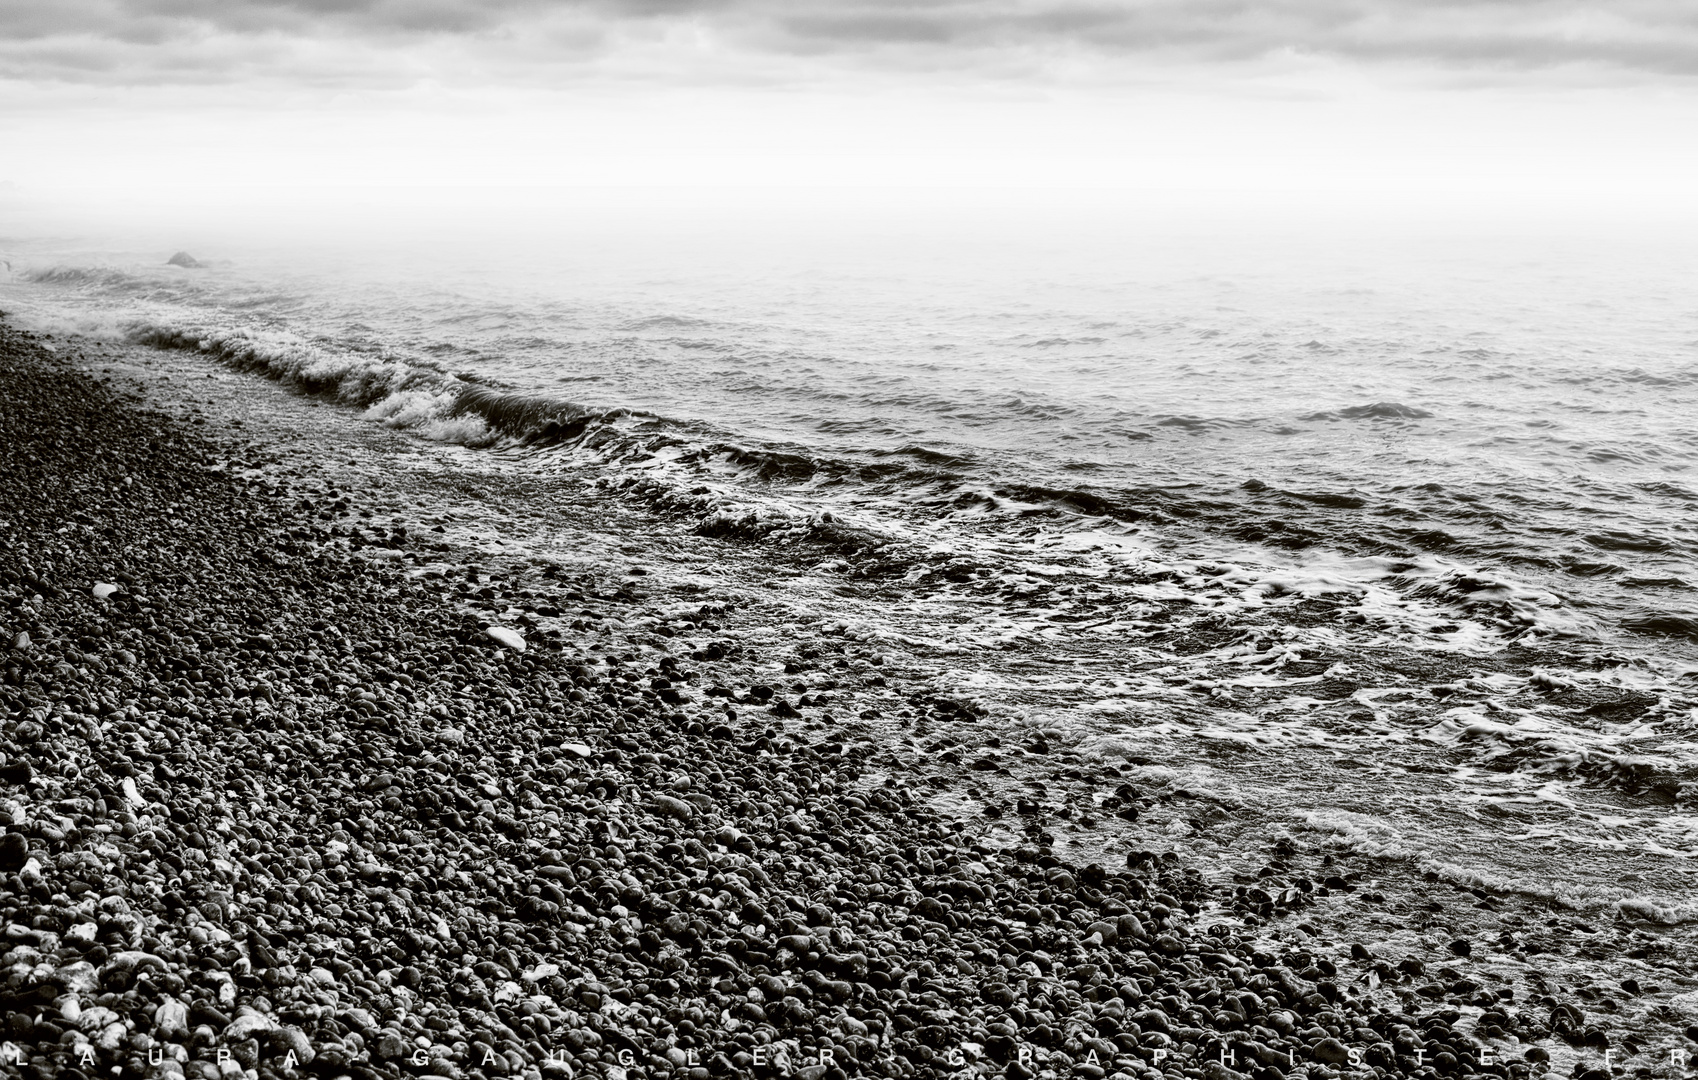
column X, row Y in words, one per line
column 1472, row 445
column 1532, row 417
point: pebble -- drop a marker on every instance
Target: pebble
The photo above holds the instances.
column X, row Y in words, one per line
column 510, row 639
column 172, row 1018
column 1332, row 1051
column 293, row 1040
column 671, row 807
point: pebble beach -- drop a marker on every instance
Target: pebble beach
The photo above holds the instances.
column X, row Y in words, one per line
column 296, row 782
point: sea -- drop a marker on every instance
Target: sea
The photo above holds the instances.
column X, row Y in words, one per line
column 1469, row 444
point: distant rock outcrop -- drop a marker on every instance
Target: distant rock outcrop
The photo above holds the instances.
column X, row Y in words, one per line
column 184, row 259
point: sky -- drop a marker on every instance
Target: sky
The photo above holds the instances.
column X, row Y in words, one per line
column 1162, row 107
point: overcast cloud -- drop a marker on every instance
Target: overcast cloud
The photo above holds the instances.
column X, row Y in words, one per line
column 1199, row 106
column 542, row 42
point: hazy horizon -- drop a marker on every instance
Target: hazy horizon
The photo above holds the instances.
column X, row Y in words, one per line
column 135, row 112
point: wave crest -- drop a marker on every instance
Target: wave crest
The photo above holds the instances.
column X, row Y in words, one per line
column 398, row 393
column 1379, row 410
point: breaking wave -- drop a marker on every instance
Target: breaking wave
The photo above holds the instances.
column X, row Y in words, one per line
column 399, row 393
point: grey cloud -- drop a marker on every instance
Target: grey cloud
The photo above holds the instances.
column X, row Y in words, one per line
column 189, row 40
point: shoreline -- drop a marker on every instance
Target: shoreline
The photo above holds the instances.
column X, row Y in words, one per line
column 612, row 820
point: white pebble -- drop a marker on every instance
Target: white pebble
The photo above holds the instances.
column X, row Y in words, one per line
column 96, row 1018
column 172, row 1017
column 243, row 1026
column 112, row 1035
column 103, row 589
column 509, row 638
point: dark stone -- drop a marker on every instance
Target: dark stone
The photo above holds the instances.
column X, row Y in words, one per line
column 14, row 852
